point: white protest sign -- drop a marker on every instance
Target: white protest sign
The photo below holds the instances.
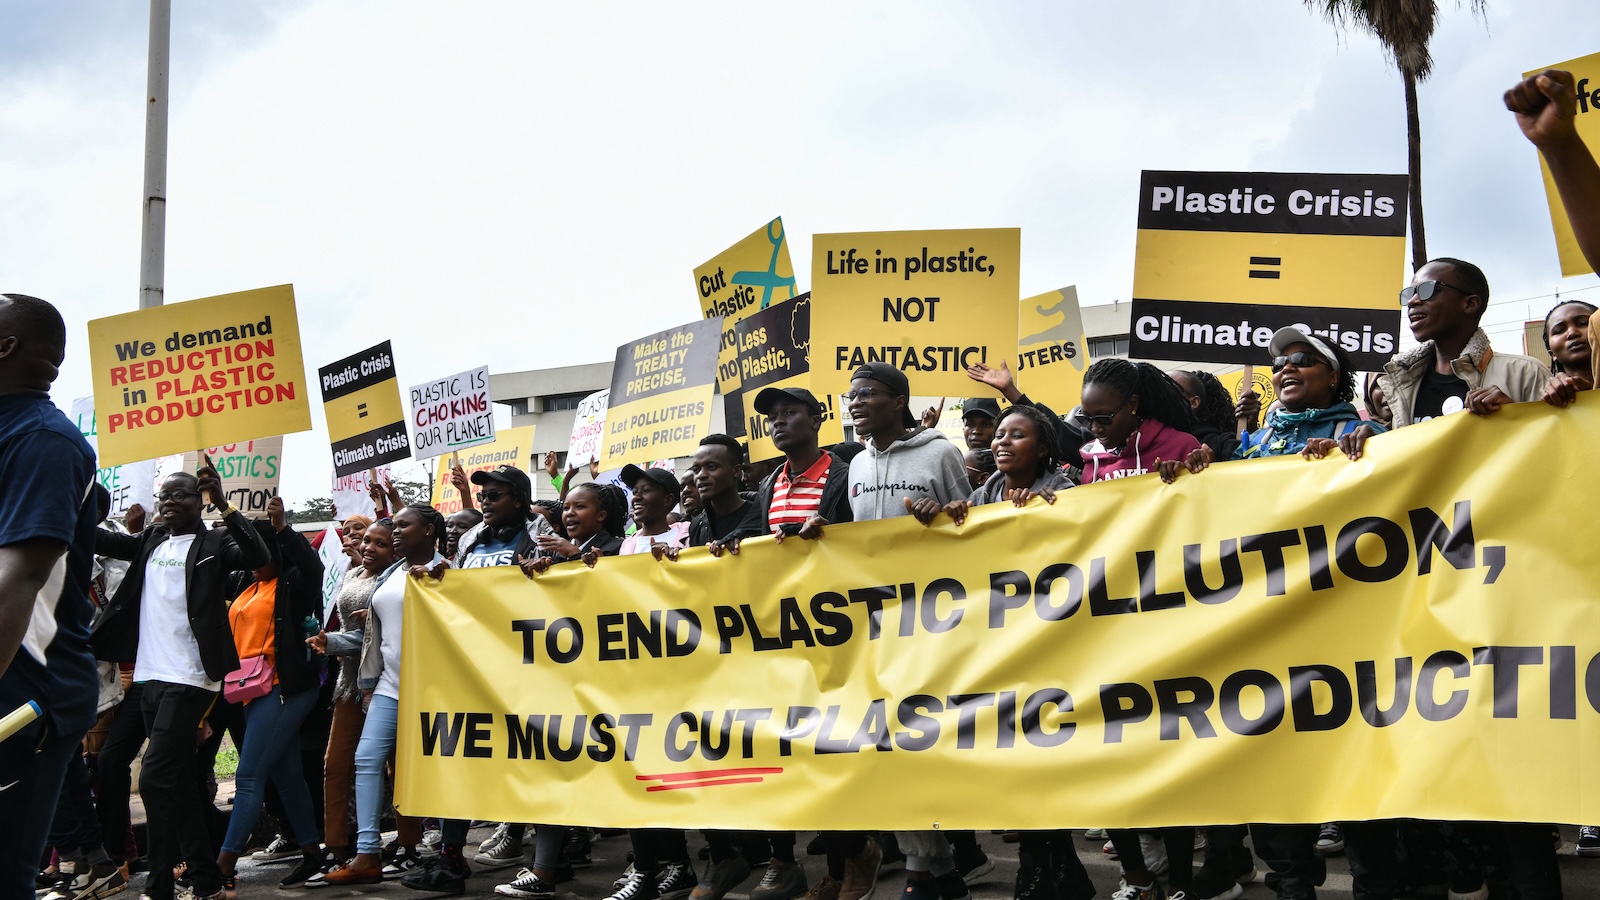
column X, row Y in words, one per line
column 588, row 428
column 129, row 483
column 351, row 495
column 334, row 566
column 250, row 472
column 453, row 413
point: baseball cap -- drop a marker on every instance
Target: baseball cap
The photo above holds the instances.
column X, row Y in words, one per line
column 894, row 380
column 506, row 474
column 668, row 481
column 770, row 397
column 981, row 406
column 1289, row 334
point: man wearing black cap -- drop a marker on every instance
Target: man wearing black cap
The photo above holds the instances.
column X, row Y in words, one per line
column 906, row 469
column 810, row 489
column 979, row 415
column 509, row 528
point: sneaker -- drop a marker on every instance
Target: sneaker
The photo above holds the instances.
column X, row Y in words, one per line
column 1589, row 840
column 1330, row 840
column 1153, row 892
column 861, row 873
column 676, row 881
column 720, row 878
column 1033, row 882
column 499, row 851
column 320, row 879
column 103, row 880
column 432, row 843
column 1154, row 851
column 440, row 878
column 635, row 887
column 826, row 889
column 973, row 865
column 1096, row 834
column 406, row 861
column 817, row 846
column 1199, row 840
column 623, row 878
column 1109, row 849
column 527, row 884
column 313, row 864
column 781, row 881
column 280, row 848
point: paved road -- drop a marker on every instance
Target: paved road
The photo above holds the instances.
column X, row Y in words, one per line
column 1581, row 877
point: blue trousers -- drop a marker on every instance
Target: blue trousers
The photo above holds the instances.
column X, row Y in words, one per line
column 271, row 752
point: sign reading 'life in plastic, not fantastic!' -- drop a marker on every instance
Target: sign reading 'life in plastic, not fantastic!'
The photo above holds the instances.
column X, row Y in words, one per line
column 930, row 303
column 361, row 401
column 1224, row 259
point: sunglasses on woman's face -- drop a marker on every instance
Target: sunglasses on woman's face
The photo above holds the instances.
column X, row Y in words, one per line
column 1299, row 360
column 1104, row 421
column 491, row 496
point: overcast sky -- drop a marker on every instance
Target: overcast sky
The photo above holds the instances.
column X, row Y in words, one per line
column 529, row 185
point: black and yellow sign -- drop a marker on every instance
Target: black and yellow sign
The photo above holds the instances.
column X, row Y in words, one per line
column 661, row 391
column 1224, row 259
column 1374, row 612
column 361, row 401
column 775, row 351
column 751, row 275
column 930, row 303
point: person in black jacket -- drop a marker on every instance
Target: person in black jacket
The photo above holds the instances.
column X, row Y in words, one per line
column 170, row 618
column 269, row 624
column 724, row 512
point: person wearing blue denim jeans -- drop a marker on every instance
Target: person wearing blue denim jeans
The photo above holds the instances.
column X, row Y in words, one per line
column 271, row 752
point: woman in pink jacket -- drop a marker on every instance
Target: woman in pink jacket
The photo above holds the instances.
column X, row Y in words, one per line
column 1138, row 417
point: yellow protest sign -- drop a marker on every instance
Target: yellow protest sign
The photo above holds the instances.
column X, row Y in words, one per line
column 511, row 446
column 930, row 303
column 1586, row 70
column 750, row 276
column 1373, row 612
column 1052, row 350
column 1224, row 259
column 775, row 351
column 361, row 402
column 197, row 374
column 1260, row 382
column 661, row 390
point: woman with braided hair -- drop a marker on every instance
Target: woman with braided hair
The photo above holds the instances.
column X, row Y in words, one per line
column 1216, row 416
column 1138, row 417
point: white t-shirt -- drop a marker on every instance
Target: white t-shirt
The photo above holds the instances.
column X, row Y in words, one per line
column 388, row 604
column 167, row 649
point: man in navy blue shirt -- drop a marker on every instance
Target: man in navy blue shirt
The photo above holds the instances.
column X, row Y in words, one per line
column 47, row 524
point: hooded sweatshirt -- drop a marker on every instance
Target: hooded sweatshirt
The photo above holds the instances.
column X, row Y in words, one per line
column 1287, row 432
column 1151, row 441
column 920, row 465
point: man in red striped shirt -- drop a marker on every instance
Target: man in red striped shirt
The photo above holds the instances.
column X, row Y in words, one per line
column 809, row 490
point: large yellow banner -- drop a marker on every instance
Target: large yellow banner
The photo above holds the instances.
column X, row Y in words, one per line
column 204, row 372
column 1586, row 70
column 1136, row 654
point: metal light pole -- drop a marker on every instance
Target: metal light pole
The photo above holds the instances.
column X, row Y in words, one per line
column 153, row 245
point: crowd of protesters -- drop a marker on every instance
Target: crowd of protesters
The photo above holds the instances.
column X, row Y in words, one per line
column 167, row 634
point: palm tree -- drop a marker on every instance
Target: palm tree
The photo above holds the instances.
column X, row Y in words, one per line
column 1404, row 27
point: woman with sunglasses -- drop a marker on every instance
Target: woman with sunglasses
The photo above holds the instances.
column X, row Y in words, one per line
column 419, row 541
column 1138, row 417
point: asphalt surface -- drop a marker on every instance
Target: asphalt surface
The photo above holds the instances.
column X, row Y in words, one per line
column 1580, row 877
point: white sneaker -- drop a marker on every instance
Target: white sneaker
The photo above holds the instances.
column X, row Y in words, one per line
column 432, row 844
column 280, row 848
column 527, row 885
column 623, row 878
column 1095, row 834
column 1154, row 851
column 499, row 851
column 500, row 832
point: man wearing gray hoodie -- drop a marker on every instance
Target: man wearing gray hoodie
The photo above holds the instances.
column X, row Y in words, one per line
column 906, row 469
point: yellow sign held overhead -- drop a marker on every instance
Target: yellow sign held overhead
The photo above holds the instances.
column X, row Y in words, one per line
column 775, row 351
column 1586, row 70
column 196, row 374
column 1052, row 349
column 511, row 446
column 748, row 277
column 361, row 402
column 662, row 386
column 930, row 303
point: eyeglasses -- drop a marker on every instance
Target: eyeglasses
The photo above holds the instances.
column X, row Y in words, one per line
column 1426, row 289
column 1299, row 359
column 868, row 394
column 491, row 496
column 175, row 496
column 1104, row 421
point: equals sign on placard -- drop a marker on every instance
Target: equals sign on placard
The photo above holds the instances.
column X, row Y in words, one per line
column 361, row 408
column 1265, row 261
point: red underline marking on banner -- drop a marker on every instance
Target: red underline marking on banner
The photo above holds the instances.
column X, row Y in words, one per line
column 700, row 784
column 704, row 774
